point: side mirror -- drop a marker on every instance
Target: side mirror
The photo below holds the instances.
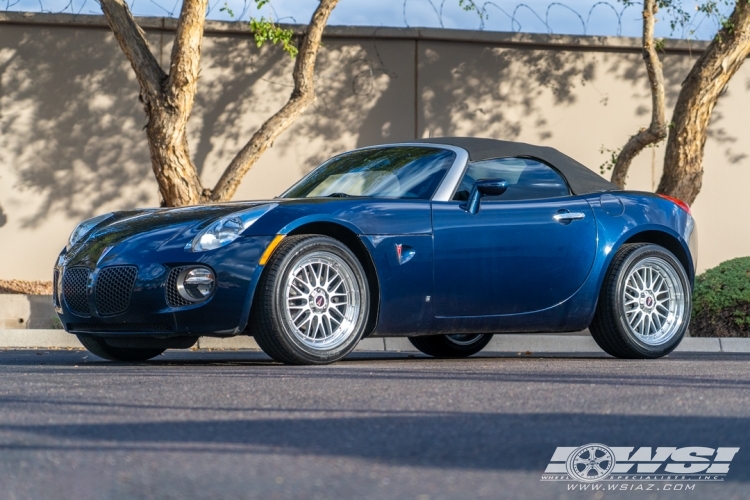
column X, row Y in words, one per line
column 484, row 187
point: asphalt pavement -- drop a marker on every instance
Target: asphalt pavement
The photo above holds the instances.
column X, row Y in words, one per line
column 232, row 424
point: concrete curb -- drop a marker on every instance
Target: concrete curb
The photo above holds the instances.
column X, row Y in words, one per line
column 59, row 339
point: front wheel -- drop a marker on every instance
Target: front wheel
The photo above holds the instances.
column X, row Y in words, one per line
column 451, row 346
column 644, row 304
column 312, row 302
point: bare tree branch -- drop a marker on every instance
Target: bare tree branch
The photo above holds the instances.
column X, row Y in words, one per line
column 133, row 43
column 706, row 82
column 186, row 56
column 657, row 130
column 167, row 99
column 302, row 96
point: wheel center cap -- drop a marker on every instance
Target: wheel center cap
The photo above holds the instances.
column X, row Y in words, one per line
column 319, row 299
column 648, row 301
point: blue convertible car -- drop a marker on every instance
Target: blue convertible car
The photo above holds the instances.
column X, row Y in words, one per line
column 445, row 241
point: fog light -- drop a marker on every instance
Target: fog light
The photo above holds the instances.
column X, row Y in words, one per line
column 196, row 284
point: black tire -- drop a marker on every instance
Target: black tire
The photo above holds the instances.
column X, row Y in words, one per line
column 610, row 327
column 277, row 334
column 98, row 347
column 451, row 346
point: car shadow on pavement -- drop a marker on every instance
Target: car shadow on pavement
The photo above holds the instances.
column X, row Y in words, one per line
column 485, row 441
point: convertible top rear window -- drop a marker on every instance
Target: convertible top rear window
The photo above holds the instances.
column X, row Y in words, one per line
column 389, row 172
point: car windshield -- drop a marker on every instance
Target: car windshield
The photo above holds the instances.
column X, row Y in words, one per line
column 387, row 172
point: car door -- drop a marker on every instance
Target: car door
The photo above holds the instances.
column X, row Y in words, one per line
column 525, row 250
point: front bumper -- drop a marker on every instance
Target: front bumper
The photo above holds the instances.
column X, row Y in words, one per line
column 148, row 310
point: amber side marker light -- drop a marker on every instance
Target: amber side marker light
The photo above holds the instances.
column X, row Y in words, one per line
column 270, row 248
column 678, row 202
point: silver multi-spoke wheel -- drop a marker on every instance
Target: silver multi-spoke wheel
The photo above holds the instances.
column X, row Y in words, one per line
column 315, row 301
column 653, row 301
column 644, row 305
column 322, row 300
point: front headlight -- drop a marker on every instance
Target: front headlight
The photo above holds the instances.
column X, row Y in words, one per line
column 227, row 229
column 84, row 227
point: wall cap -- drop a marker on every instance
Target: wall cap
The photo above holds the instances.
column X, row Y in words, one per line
column 502, row 38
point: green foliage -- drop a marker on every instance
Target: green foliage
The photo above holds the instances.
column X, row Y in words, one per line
column 721, row 300
column 611, row 161
column 471, row 6
column 615, row 153
column 266, row 30
column 227, row 9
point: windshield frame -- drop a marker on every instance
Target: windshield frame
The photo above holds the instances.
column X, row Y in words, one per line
column 444, row 190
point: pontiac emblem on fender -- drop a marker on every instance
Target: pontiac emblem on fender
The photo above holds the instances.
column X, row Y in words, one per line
column 404, row 253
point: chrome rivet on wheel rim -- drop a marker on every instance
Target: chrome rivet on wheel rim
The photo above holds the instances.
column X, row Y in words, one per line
column 322, row 301
column 653, row 301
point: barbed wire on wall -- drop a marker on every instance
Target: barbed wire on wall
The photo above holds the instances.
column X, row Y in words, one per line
column 686, row 21
column 515, row 25
column 548, row 16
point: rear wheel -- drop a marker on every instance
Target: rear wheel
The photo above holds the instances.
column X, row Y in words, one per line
column 644, row 305
column 451, row 346
column 98, row 347
column 313, row 301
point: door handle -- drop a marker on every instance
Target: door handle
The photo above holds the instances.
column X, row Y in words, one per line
column 568, row 216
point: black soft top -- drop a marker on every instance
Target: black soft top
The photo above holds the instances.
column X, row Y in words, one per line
column 581, row 179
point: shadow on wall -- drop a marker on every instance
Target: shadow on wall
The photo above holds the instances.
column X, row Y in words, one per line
column 372, row 104
column 365, row 96
column 231, row 69
column 498, row 93
column 73, row 126
column 72, row 123
column 463, row 89
column 3, row 217
column 675, row 67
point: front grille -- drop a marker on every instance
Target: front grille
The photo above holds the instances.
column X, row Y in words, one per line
column 118, row 327
column 74, row 290
column 114, row 285
column 55, row 288
column 174, row 299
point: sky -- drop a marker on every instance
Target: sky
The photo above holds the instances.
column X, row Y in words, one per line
column 571, row 17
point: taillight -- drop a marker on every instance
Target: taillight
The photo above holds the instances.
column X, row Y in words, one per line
column 678, row 202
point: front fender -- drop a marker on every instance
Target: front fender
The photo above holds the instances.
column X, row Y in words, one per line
column 310, row 219
column 360, row 216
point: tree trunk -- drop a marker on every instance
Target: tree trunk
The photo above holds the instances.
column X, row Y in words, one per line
column 657, row 131
column 167, row 99
column 302, row 96
column 707, row 80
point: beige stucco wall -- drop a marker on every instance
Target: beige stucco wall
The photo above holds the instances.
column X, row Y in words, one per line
column 72, row 143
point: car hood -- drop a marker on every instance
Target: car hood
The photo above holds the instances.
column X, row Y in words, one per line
column 148, row 228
